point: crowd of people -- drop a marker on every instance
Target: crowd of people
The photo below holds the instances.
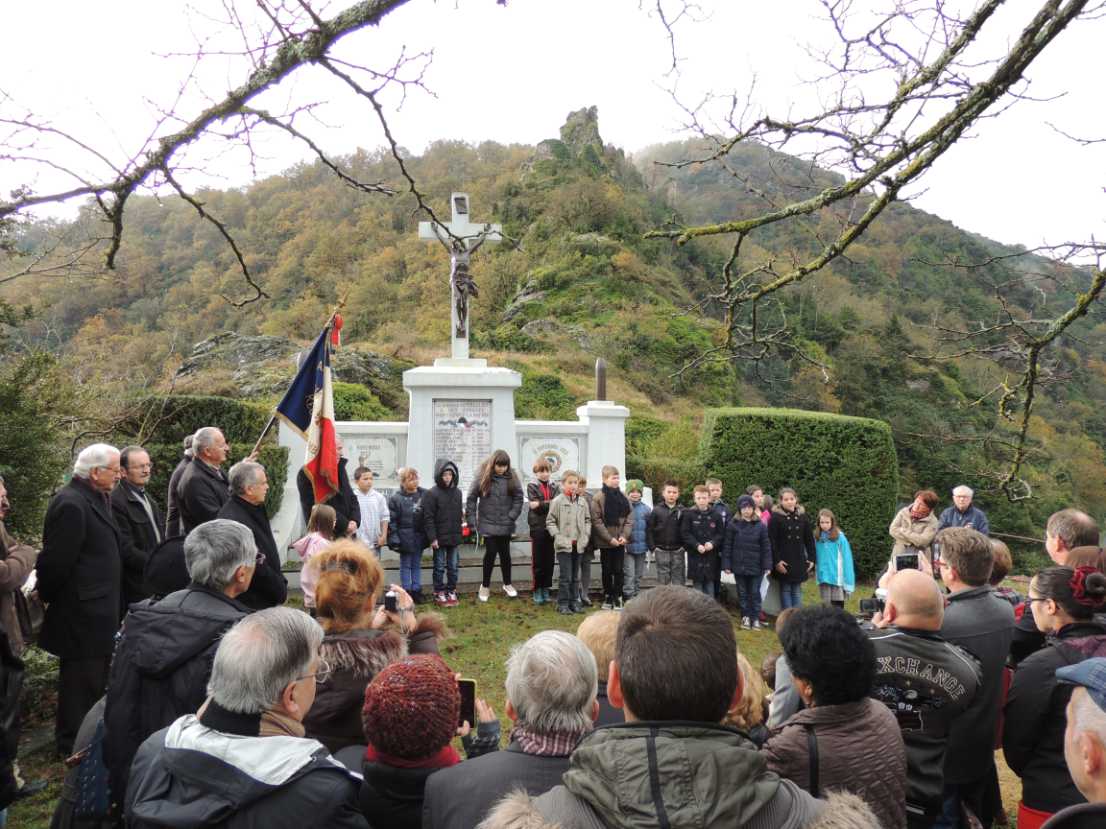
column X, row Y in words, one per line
column 188, row 694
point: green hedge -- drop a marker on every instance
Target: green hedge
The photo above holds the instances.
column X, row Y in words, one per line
column 352, row 401
column 166, row 456
column 846, row 464
column 169, row 418
column 654, row 471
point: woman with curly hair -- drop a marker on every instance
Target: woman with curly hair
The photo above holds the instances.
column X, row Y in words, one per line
column 1064, row 602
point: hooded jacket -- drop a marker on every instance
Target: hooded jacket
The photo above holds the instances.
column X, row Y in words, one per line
column 746, row 551
column 859, row 750
column 792, row 539
column 443, row 508
column 638, row 538
column 835, row 561
column 1035, row 717
column 495, row 514
column 682, row 775
column 188, row 775
column 160, row 671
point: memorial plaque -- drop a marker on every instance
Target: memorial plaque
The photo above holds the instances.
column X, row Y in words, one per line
column 562, row 452
column 380, row 454
column 462, row 434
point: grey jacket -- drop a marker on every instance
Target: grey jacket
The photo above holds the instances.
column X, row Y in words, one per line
column 982, row 624
column 678, row 774
column 569, row 520
column 494, row 514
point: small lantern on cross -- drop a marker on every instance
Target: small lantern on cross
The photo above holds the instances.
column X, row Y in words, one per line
column 461, row 238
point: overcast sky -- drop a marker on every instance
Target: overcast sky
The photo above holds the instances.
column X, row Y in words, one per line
column 102, row 70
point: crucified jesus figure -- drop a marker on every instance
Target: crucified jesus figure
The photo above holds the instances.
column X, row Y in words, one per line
column 464, row 287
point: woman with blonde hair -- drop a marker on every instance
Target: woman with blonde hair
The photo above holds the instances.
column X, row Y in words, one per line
column 749, row 714
column 360, row 638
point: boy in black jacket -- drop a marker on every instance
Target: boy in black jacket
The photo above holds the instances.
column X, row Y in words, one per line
column 539, row 493
column 702, row 531
column 442, row 510
column 662, row 533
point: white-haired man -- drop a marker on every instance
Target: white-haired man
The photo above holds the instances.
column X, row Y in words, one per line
column 79, row 578
column 243, row 760
column 551, row 698
column 963, row 514
column 203, row 487
column 249, row 486
column 1085, row 745
column 163, row 660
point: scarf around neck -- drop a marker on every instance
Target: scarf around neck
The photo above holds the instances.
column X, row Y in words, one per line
column 616, row 506
column 920, row 513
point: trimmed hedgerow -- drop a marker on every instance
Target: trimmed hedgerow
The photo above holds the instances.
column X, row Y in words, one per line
column 168, row 418
column 166, row 456
column 846, row 464
column 655, row 470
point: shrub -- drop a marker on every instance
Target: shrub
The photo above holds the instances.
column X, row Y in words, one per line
column 543, row 397
column 846, row 464
column 169, row 418
column 166, row 456
column 352, row 401
column 655, row 470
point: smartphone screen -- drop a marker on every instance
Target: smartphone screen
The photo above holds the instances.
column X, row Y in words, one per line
column 907, row 561
column 467, row 687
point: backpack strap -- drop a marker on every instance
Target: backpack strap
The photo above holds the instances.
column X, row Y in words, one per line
column 812, row 753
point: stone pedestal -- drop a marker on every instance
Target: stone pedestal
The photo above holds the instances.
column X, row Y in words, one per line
column 460, row 409
column 606, row 423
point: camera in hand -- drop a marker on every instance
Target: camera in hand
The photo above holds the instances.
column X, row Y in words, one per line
column 467, row 713
column 907, row 561
column 869, row 607
column 391, row 602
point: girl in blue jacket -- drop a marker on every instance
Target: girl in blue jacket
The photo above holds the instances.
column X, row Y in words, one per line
column 836, row 577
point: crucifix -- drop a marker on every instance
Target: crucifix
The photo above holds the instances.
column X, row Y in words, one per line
column 461, row 238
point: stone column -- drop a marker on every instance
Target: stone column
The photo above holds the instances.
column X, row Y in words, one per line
column 606, row 422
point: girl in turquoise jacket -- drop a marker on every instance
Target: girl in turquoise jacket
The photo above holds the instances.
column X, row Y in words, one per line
column 836, row 576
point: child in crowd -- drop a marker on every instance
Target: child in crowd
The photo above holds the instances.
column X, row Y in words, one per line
column 373, row 529
column 836, row 577
column 702, row 534
column 442, row 513
column 747, row 554
column 663, row 536
column 714, row 487
column 1003, row 564
column 568, row 522
column 589, row 550
column 539, row 493
column 494, row 504
column 793, row 553
column 612, row 524
column 762, row 502
column 407, row 531
column 634, row 565
column 320, row 532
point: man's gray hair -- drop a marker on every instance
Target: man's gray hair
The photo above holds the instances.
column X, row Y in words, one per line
column 215, row 549
column 96, row 456
column 963, row 489
column 244, row 474
column 260, row 656
column 1087, row 715
column 205, row 438
column 188, row 445
column 1074, row 527
column 552, row 682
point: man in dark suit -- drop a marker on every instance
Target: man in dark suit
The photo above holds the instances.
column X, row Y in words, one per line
column 139, row 520
column 172, row 507
column 347, row 509
column 202, row 489
column 249, row 485
column 79, row 576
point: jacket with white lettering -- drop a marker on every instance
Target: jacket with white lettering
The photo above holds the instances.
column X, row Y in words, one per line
column 927, row 683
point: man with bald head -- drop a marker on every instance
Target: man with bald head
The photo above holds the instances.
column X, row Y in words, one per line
column 926, row 682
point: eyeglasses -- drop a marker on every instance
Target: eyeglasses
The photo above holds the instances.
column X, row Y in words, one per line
column 1031, row 599
column 322, row 672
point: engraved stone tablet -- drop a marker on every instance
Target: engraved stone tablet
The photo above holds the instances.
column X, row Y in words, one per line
column 462, row 434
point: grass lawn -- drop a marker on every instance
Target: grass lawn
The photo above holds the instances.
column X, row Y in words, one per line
column 483, row 636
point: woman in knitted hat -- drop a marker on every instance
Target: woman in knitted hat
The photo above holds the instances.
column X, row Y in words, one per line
column 360, row 638
column 410, row 719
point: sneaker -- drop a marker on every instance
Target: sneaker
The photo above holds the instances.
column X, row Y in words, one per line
column 576, row 608
column 441, row 598
column 745, row 625
column 564, row 610
column 484, row 593
column 509, row 589
column 451, row 599
column 585, row 601
column 757, row 625
column 607, row 606
column 539, row 598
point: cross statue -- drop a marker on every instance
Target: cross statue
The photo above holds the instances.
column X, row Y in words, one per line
column 461, row 238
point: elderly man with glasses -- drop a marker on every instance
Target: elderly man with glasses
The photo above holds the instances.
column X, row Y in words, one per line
column 243, row 760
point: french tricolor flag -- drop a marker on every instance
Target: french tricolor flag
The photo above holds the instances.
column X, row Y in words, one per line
column 308, row 408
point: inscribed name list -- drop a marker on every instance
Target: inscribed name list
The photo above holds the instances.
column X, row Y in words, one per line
column 462, row 434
